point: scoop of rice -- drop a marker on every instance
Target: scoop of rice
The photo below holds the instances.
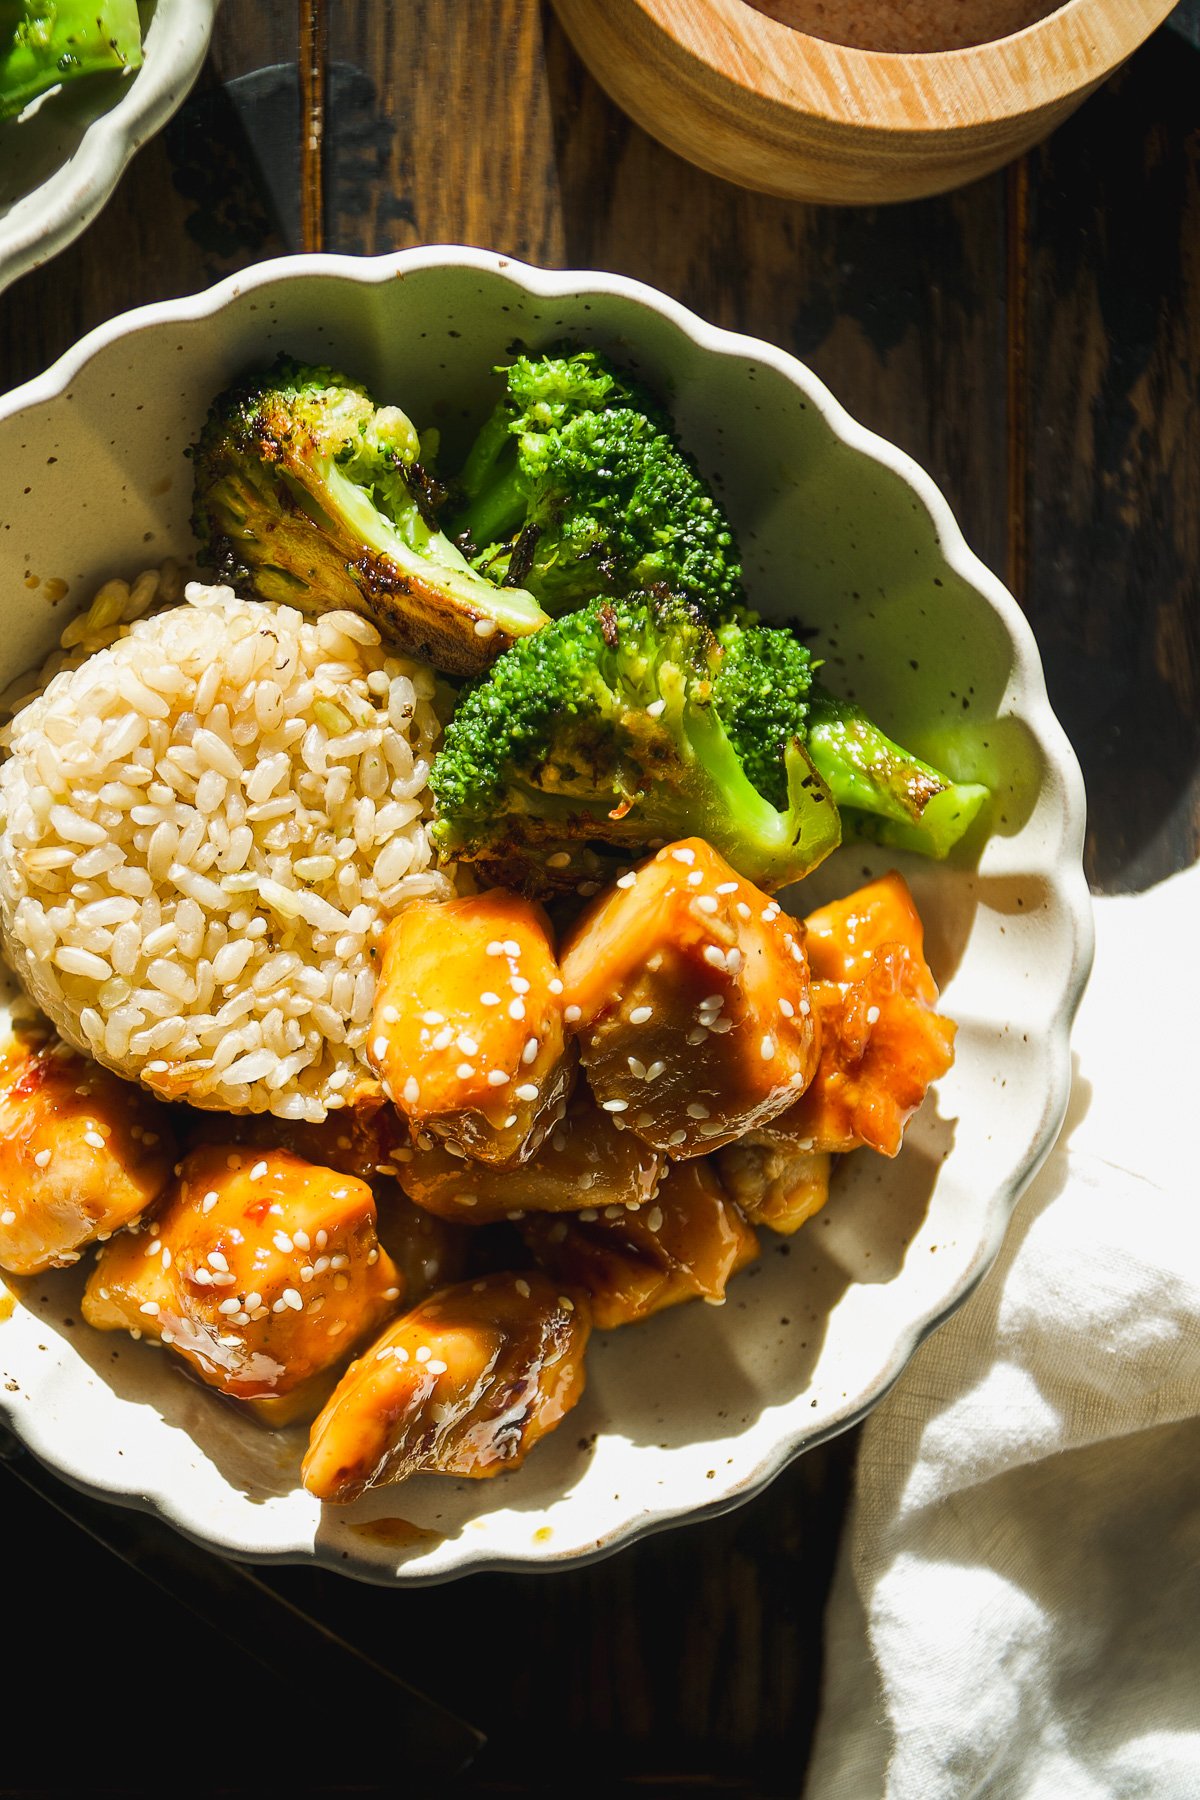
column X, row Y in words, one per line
column 203, row 829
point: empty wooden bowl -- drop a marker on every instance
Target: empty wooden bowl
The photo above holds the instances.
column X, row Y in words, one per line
column 776, row 109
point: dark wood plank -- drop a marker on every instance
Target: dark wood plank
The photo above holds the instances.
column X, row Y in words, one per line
column 1113, row 578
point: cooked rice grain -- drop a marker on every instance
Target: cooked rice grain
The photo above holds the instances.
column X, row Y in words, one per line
column 203, row 828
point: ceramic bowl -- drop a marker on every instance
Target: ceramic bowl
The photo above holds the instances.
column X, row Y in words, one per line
column 697, row 1409
column 58, row 167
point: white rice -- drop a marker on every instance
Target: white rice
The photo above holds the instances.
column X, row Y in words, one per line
column 204, row 826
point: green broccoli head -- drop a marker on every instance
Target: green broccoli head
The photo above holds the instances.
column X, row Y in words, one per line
column 307, row 492
column 603, row 731
column 576, row 487
column 762, row 692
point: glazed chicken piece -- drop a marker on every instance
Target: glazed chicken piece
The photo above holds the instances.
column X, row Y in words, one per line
column 772, row 1182
column 689, row 990
column 467, row 1031
column 359, row 1139
column 633, row 1261
column 260, row 1270
column 428, row 1251
column 585, row 1161
column 82, row 1153
column 463, row 1385
column 882, row 1044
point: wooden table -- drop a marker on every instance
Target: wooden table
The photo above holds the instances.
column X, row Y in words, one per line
column 1034, row 341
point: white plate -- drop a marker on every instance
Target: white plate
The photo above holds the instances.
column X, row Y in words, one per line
column 697, row 1409
column 59, row 166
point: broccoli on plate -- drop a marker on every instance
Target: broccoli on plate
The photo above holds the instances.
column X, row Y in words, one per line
column 576, row 487
column 308, row 493
column 46, row 43
column 606, row 730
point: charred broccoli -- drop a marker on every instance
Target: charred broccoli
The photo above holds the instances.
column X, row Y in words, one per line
column 766, row 694
column 605, row 729
column 309, row 493
column 576, row 488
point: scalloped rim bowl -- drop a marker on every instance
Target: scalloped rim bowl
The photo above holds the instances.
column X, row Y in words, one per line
column 696, row 1410
column 44, row 219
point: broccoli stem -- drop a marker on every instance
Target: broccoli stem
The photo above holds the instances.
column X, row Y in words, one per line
column 50, row 42
column 496, row 512
column 891, row 794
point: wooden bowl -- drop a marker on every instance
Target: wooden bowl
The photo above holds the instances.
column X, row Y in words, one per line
column 772, row 108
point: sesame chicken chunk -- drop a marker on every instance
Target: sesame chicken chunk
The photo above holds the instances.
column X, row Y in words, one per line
column 429, row 1252
column 260, row 1270
column 774, row 1184
column 633, row 1261
column 464, row 1385
column 689, row 990
column 359, row 1139
column 882, row 1043
column 584, row 1161
column 82, row 1153
column 467, row 1031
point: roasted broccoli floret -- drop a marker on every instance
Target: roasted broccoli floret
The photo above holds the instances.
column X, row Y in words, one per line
column 604, row 729
column 307, row 492
column 884, row 791
column 46, row 43
column 767, row 695
column 576, row 487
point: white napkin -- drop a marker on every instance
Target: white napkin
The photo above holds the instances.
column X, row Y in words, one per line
column 1016, row 1609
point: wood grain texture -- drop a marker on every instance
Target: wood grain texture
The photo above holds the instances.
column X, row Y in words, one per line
column 1112, row 583
column 776, row 110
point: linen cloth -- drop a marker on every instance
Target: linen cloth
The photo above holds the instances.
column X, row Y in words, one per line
column 1016, row 1609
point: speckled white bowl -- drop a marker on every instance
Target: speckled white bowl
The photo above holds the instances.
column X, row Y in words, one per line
column 59, row 166
column 697, row 1409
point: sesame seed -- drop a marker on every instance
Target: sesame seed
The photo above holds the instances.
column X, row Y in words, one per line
column 684, row 856
column 797, row 953
column 656, row 709
column 322, row 1239
column 522, row 1288
column 411, row 1091
column 733, row 960
column 511, row 947
column 427, row 1018
column 695, row 878
column 616, row 1106
column 527, row 1091
column 231, row 1305
column 872, row 1015
column 637, row 1068
column 640, row 1014
column 391, row 1016
column 706, row 903
column 210, row 1200
column 201, row 1277
column 787, row 1009
column 283, row 1243
column 152, row 1248
column 516, row 1009
column 720, row 1026
column 424, row 1353
column 566, row 1302
column 400, row 1353
column 291, row 1298
column 655, row 1070
column 797, row 1080
column 767, row 1048
column 714, row 1299
column 495, row 948
column 488, row 998
column 340, row 1262
column 150, row 1308
column 337, row 1328
column 8, row 1216
column 392, row 1293
column 467, row 1044
column 216, row 1260
column 676, row 1138
column 465, row 1070
column 484, row 627
column 258, row 1171
column 714, row 956
column 468, row 1199
column 697, row 1110
column 42, row 1158
column 559, row 860
column 135, row 1334
column 572, row 1014
column 444, row 1038
column 697, row 1034
column 510, row 1121
column 529, row 1053
column 252, row 1300
column 805, row 1008
column 498, row 1078
column 626, row 881
column 555, row 984
column 613, row 1212
column 166, row 1257
column 727, row 887
column 588, row 1215
column 94, row 1139
column 168, row 1336
column 379, row 1048
column 436, row 1366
